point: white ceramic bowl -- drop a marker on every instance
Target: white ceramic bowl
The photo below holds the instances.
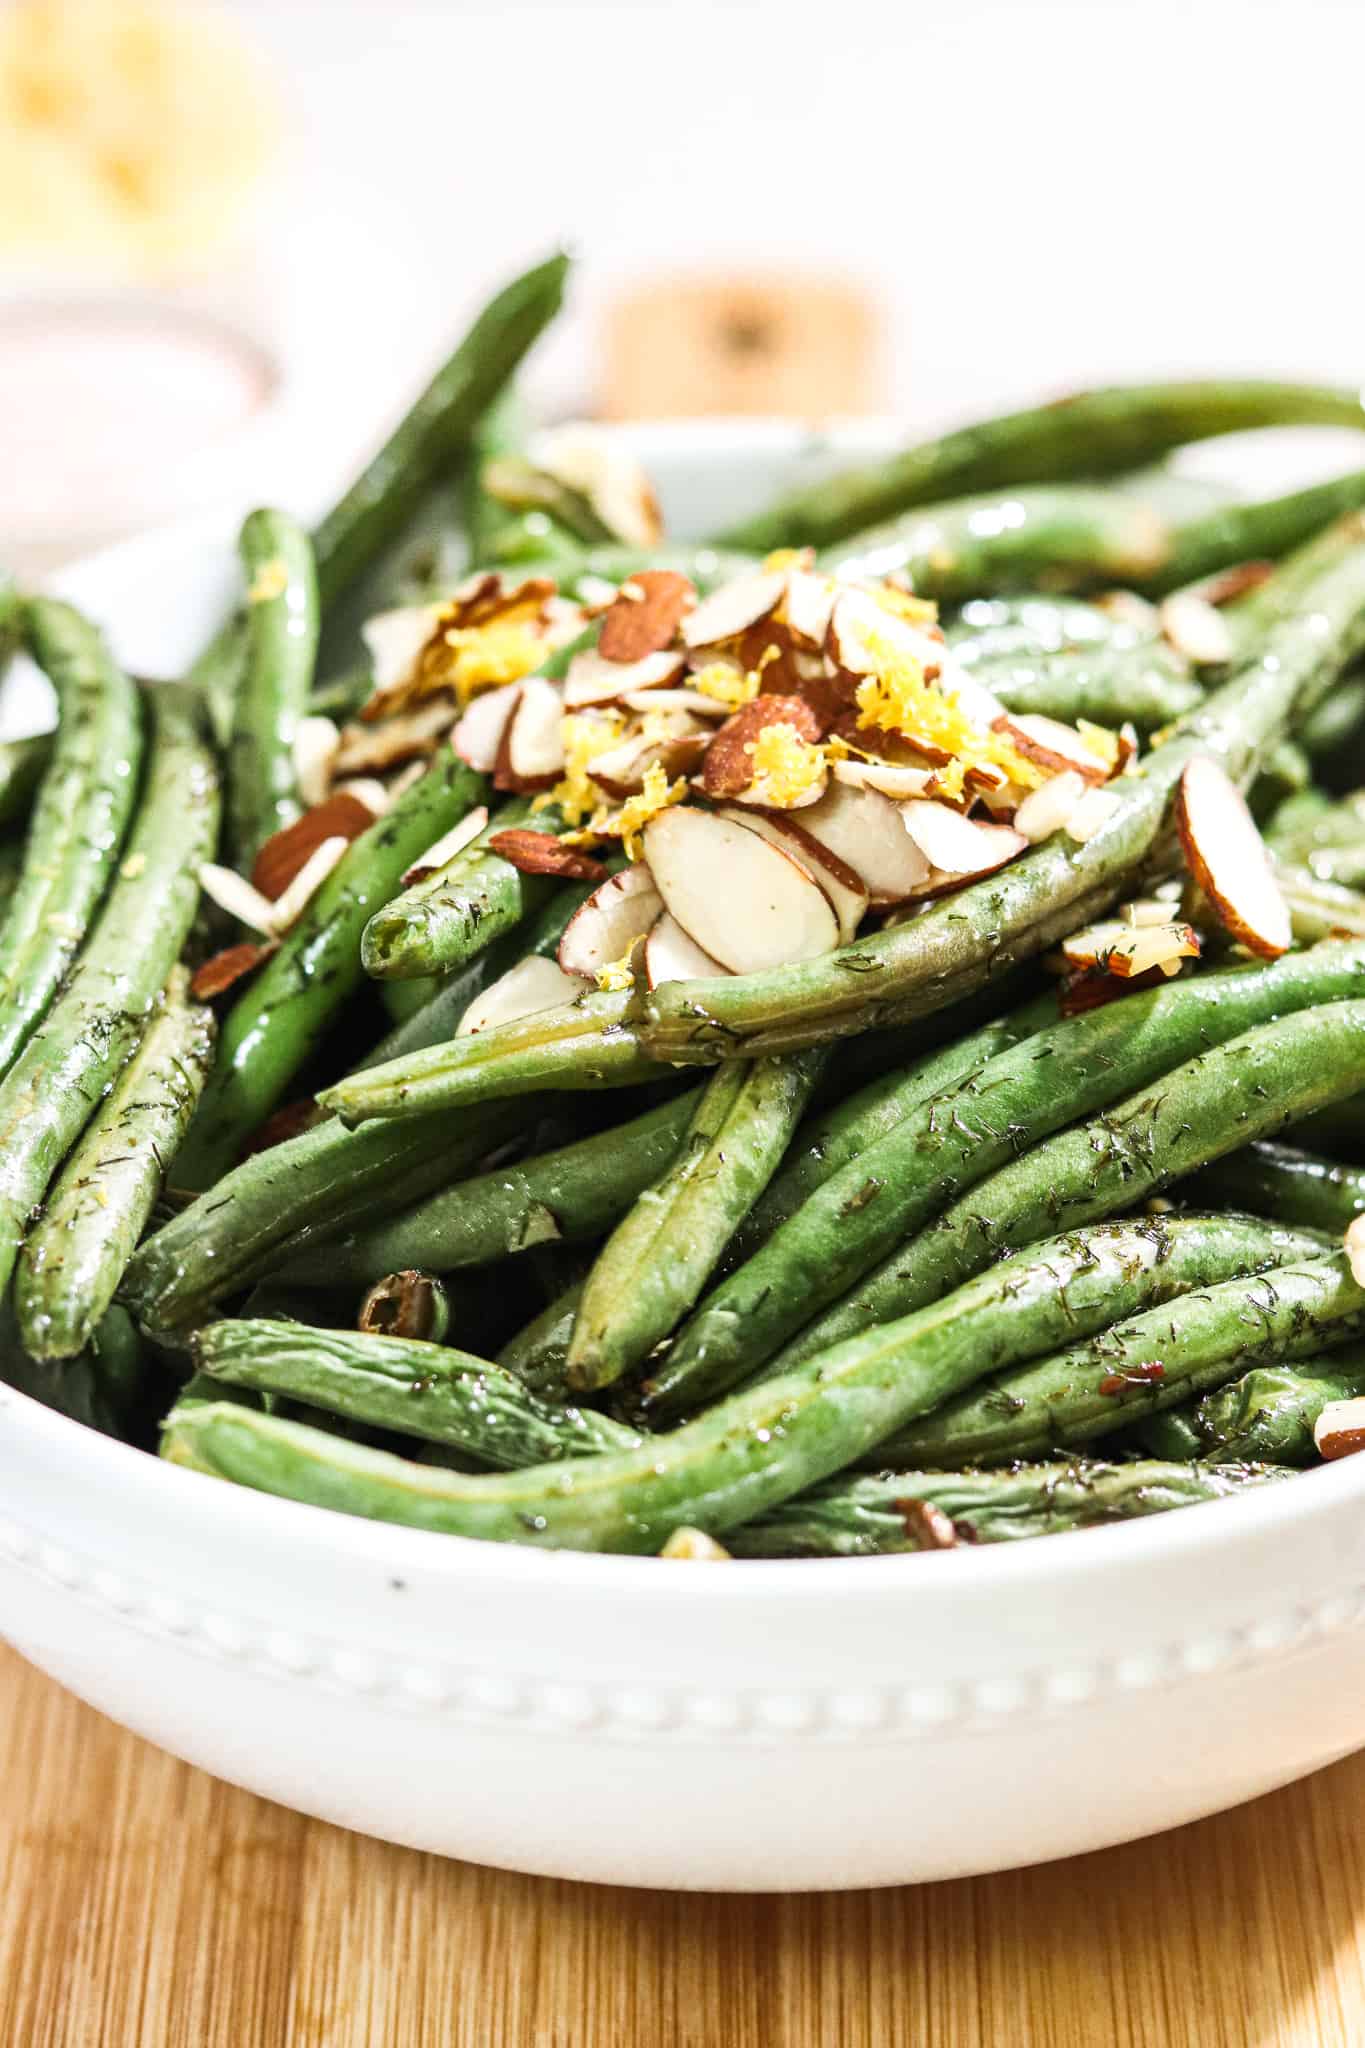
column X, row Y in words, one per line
column 777, row 1726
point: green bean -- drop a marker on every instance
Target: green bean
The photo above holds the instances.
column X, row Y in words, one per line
column 421, row 1390
column 588, row 1043
column 277, row 675
column 1091, row 433
column 1147, row 1362
column 1338, row 721
column 317, row 1183
column 435, row 429
column 998, row 632
column 76, row 1254
column 1146, row 686
column 342, row 696
column 832, row 1137
column 49, row 1094
column 407, row 1304
column 564, row 1196
column 288, row 1006
column 11, row 868
column 514, row 482
column 751, row 1452
column 884, row 1515
column 1059, row 536
column 971, row 936
column 79, row 820
column 438, row 1018
column 955, row 1139
column 1283, row 1182
column 1270, row 1412
column 660, row 1255
column 1320, row 910
column 1232, row 533
column 1289, row 833
column 1245, row 1088
column 100, row 1388
column 501, row 431
column 448, row 919
column 23, row 764
column 538, row 1353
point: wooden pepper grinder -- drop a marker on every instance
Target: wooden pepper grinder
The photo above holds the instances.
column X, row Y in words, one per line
column 799, row 346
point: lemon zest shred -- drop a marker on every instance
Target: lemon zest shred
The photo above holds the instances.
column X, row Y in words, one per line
column 898, row 698
column 618, row 975
column 1101, row 740
column 786, row 766
column 270, row 581
column 903, row 604
column 726, row 683
column 585, row 735
column 656, row 795
column 784, row 558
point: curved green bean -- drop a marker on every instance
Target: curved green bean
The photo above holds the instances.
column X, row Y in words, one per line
column 451, row 917
column 277, row 675
column 1283, row 1182
column 1270, row 1412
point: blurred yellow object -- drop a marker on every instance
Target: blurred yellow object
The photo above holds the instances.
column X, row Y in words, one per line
column 131, row 135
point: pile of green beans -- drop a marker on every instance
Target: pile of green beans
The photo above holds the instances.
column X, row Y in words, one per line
column 915, row 1260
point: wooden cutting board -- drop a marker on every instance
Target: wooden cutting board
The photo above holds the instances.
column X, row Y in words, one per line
column 144, row 1905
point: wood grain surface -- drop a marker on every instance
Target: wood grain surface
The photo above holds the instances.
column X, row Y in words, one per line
column 144, row 1905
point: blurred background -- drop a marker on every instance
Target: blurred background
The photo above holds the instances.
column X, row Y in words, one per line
column 233, row 238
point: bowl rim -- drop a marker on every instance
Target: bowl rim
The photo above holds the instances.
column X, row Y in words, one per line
column 1073, row 1556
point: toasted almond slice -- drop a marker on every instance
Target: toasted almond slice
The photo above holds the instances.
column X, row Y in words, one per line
column 728, row 768
column 808, row 604
column 394, row 640
column 690, row 701
column 1045, row 810
column 234, row 894
column 592, row 679
column 286, row 852
column 479, row 734
column 316, row 743
column 1340, row 1429
column 452, row 842
column 671, row 954
column 1226, row 584
column 886, row 777
column 862, row 829
column 971, row 697
column 736, row 606
column 958, row 845
column 607, row 473
column 1146, row 911
column 534, row 984
column 289, row 906
column 1195, row 629
column 377, row 796
column 532, row 752
column 621, row 771
column 541, row 853
column 1355, row 1249
column 746, row 903
column 1125, row 950
column 860, row 628
column 1051, row 744
column 848, row 898
column 645, row 614
column 1227, row 857
column 1092, row 814
column 619, row 911
column 369, row 748
column 215, row 976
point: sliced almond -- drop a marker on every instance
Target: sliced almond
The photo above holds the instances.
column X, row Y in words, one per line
column 540, row 853
column 1355, row 1249
column 531, row 756
column 1339, row 1431
column 369, row 749
column 736, row 606
column 886, row 777
column 593, row 679
column 291, row 903
column 1045, row 810
column 862, row 632
column 287, row 852
column 1146, row 910
column 214, row 977
column 1226, row 584
column 479, row 734
column 534, row 984
column 808, row 604
column 645, row 614
column 1227, row 857
column 746, row 903
column 445, row 848
column 690, row 701
column 1193, row 627
column 394, row 639
column 1051, row 744
column 695, row 1546
column 848, row 899
column 729, row 765
column 1094, row 811
column 607, row 473
column 234, row 894
column 671, row 954
column 619, row 911
column 1115, row 947
column 958, row 845
column 621, row 771
column 316, row 743
column 863, row 830
column 378, row 797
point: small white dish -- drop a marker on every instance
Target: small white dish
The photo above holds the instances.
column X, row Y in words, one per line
column 781, row 1726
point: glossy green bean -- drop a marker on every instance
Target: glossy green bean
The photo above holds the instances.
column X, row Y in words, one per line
column 277, row 675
